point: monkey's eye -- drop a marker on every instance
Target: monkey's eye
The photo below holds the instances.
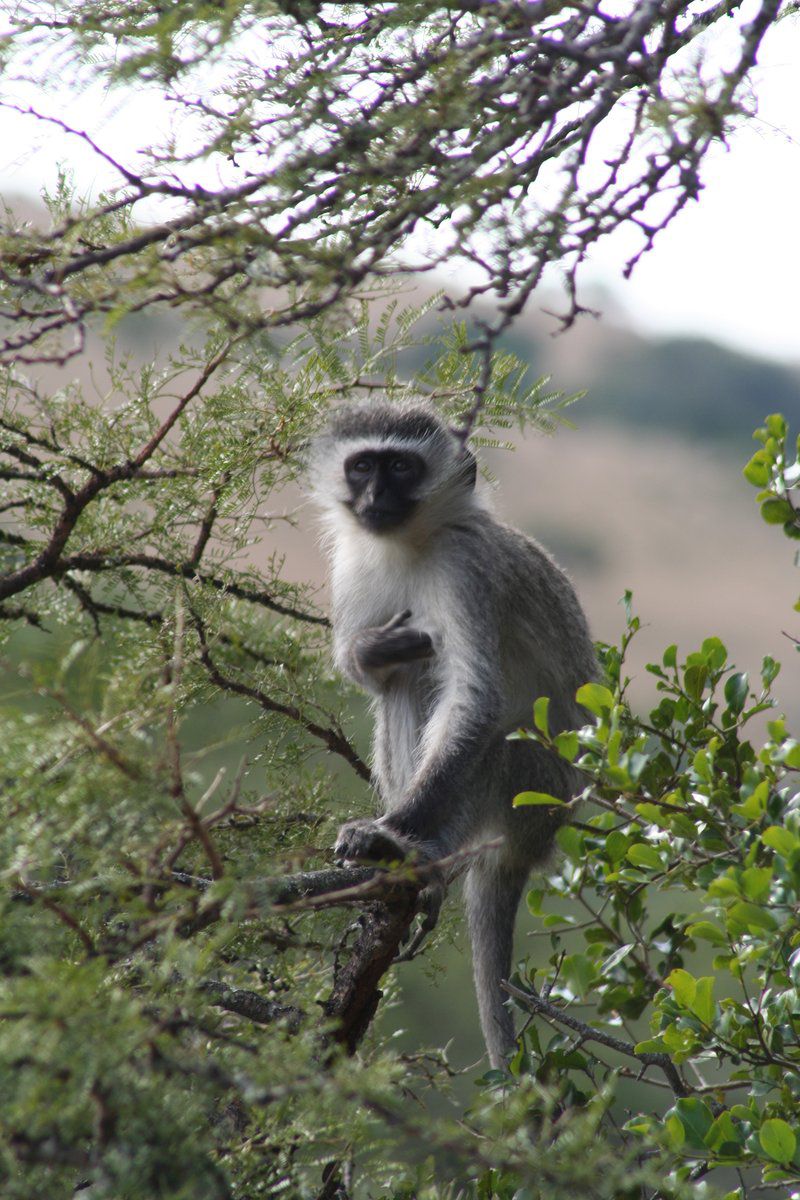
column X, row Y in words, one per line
column 362, row 466
column 399, row 466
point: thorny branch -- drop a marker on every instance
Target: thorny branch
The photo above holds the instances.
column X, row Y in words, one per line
column 388, row 903
column 51, row 561
column 330, row 735
column 253, row 1006
column 477, row 133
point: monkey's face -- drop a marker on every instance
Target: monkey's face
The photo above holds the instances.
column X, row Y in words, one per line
column 382, row 487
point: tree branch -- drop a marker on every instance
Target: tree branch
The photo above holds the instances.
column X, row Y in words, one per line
column 588, row 1033
column 331, row 737
column 249, row 1004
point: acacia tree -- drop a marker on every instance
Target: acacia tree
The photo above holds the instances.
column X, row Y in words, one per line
column 170, row 932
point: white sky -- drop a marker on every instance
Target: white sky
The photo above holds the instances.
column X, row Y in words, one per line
column 730, row 265
column 729, row 268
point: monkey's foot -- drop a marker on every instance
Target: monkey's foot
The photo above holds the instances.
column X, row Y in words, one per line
column 369, row 841
column 429, row 904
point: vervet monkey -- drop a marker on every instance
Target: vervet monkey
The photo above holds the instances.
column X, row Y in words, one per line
column 455, row 623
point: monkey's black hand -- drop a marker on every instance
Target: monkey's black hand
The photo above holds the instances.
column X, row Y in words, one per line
column 391, row 644
column 369, row 841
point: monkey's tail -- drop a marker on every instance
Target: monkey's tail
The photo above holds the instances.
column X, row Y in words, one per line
column 492, row 892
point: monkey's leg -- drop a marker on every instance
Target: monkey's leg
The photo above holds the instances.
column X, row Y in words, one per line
column 492, row 893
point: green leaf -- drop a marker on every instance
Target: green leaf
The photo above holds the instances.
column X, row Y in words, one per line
column 723, row 885
column 751, row 918
column 670, row 657
column 778, row 1140
column 639, row 1124
column 695, row 1117
column 567, row 745
column 540, row 710
column 617, row 957
column 703, row 765
column 724, row 1137
column 643, row 855
column 756, row 882
column 776, row 512
column 754, row 806
column 650, row 1046
column 790, row 754
column 571, row 842
column 675, row 1131
column 757, row 471
column 597, row 698
column 776, row 426
column 715, row 652
column 708, row 932
column 703, row 1003
column 654, row 815
column 694, row 680
column 684, row 986
column 769, row 670
column 616, row 845
column 781, row 839
column 736, row 688
column 680, row 1044
column 579, row 972
column 529, row 799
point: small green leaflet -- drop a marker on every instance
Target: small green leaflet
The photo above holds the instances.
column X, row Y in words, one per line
column 526, row 799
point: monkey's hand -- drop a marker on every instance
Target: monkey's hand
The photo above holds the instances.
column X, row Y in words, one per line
column 390, row 645
column 370, row 841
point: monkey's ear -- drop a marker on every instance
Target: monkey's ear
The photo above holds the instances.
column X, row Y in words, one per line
column 469, row 468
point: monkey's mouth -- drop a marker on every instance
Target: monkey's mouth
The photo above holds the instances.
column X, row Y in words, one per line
column 378, row 520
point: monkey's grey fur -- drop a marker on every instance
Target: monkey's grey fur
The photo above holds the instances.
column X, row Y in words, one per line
column 455, row 623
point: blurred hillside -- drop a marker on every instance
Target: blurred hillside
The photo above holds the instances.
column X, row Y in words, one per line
column 690, row 387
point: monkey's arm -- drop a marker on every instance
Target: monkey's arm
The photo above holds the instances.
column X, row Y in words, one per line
column 371, row 656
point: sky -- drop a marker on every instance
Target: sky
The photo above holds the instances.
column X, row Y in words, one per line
column 730, row 265
column 728, row 268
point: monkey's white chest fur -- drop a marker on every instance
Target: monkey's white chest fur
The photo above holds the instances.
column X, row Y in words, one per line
column 375, row 578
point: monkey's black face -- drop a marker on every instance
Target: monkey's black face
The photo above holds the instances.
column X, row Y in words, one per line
column 382, row 487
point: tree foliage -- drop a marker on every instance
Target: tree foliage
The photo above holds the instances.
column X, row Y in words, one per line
column 186, row 1003
column 351, row 140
